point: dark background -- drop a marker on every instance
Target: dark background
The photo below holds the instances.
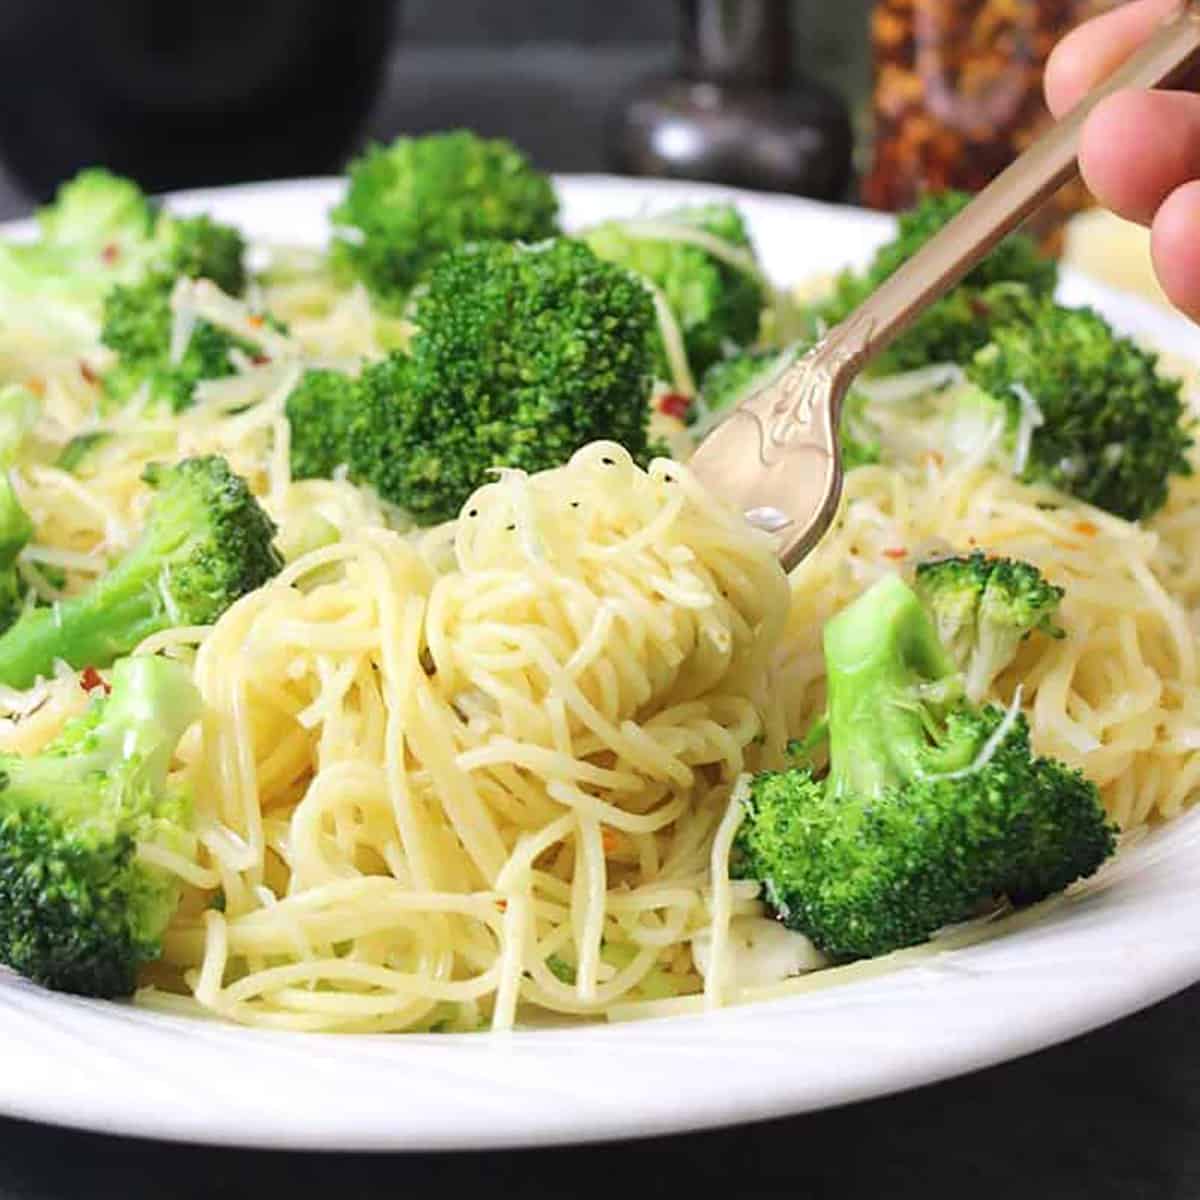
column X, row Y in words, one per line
column 183, row 94
column 1115, row 1114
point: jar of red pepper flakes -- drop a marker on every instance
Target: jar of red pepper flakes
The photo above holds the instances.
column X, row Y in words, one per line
column 958, row 94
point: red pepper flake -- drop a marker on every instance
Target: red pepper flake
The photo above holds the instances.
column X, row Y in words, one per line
column 674, row 404
column 502, row 905
column 86, row 371
column 260, row 360
column 895, row 552
column 610, row 840
column 90, row 679
column 111, row 253
column 256, row 321
column 1086, row 528
column 36, row 384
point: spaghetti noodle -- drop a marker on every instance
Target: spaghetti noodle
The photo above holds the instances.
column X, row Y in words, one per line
column 441, row 777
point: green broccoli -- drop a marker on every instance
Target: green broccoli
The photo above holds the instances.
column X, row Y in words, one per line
column 76, row 452
column 19, row 411
column 206, row 542
column 931, row 806
column 79, row 910
column 522, row 355
column 320, row 410
column 112, row 227
column 308, row 532
column 94, row 208
column 16, row 529
column 409, row 202
column 1081, row 408
column 200, row 248
column 717, row 303
column 727, row 383
column 1004, row 287
column 101, row 231
column 137, row 325
column 984, row 608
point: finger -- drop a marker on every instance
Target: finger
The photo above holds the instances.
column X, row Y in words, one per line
column 1139, row 147
column 1090, row 54
column 1176, row 248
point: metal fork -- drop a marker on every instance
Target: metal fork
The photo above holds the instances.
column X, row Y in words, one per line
column 776, row 456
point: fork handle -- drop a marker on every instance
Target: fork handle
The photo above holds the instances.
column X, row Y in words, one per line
column 1015, row 193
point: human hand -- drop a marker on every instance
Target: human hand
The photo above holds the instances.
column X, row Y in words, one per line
column 1140, row 151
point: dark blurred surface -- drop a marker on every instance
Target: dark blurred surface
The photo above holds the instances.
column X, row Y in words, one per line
column 737, row 109
column 195, row 108
column 184, row 94
column 1112, row 1116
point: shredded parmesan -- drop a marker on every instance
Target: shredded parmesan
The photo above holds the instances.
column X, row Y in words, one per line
column 661, row 230
column 1030, row 421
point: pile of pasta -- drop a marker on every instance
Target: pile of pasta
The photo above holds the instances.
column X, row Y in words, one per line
column 435, row 770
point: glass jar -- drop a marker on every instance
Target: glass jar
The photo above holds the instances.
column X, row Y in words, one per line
column 958, row 94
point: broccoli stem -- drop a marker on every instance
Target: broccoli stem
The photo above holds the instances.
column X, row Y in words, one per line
column 881, row 649
column 111, row 618
column 87, row 630
column 153, row 701
column 15, row 526
column 206, row 543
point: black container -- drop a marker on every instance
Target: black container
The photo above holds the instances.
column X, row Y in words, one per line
column 181, row 93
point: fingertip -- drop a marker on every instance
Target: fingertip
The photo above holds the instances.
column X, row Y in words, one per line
column 1104, row 157
column 1138, row 147
column 1069, row 71
column 1176, row 248
column 1089, row 54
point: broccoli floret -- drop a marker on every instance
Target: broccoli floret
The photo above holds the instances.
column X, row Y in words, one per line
column 87, row 234
column 1110, row 430
column 727, row 383
column 522, row 355
column 79, row 910
column 386, row 418
column 931, row 807
column 116, row 228
column 101, row 231
column 97, row 208
column 717, row 303
column 410, row 201
column 206, row 542
column 137, row 325
column 201, row 248
column 321, row 410
column 1016, row 260
column 1004, row 287
column 984, row 608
